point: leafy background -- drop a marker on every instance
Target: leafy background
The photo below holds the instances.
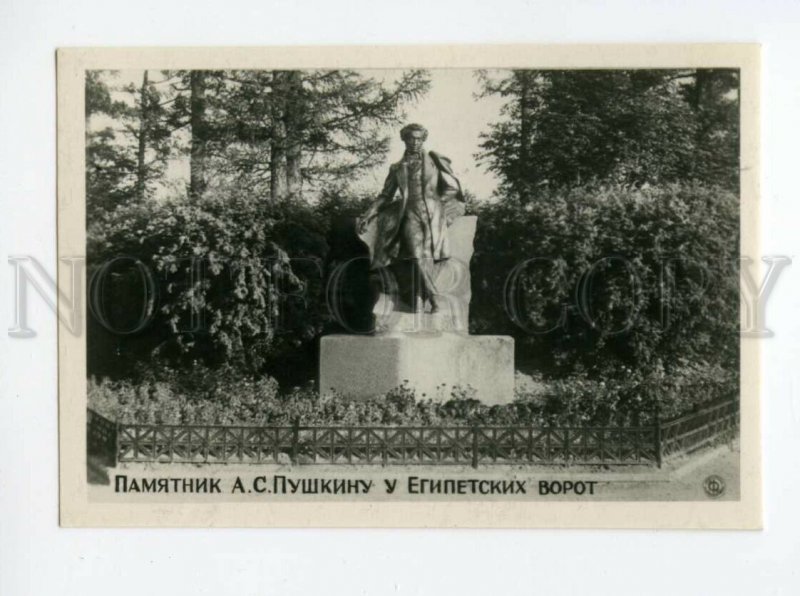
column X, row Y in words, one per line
column 610, row 172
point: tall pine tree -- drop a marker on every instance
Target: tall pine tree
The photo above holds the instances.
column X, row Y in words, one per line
column 562, row 129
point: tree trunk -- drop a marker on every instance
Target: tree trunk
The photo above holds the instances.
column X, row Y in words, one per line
column 141, row 169
column 277, row 158
column 294, row 143
column 197, row 167
column 703, row 80
column 278, row 181
column 294, row 176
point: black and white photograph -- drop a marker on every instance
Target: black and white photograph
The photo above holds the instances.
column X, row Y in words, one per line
column 360, row 298
column 335, row 285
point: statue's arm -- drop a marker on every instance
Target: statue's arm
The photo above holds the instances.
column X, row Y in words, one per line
column 384, row 198
column 451, row 194
column 389, row 188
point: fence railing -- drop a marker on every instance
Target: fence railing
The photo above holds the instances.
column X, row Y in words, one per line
column 688, row 433
column 452, row 445
column 101, row 437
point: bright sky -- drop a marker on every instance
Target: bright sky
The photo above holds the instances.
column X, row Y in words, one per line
column 450, row 112
column 455, row 120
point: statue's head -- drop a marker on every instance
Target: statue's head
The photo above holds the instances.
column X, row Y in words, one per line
column 413, row 136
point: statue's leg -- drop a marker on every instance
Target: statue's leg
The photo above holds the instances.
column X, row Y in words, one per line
column 413, row 235
column 416, row 248
column 426, row 268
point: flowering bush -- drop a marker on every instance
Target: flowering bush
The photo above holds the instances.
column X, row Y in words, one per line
column 224, row 397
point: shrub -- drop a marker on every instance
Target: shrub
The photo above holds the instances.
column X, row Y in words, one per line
column 262, row 301
column 680, row 238
column 207, row 396
column 243, row 298
column 258, row 305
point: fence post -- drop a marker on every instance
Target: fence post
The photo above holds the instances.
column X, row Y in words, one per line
column 115, row 456
column 295, row 439
column 474, row 445
column 658, row 436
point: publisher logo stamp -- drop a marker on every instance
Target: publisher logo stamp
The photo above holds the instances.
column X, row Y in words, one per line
column 714, row 486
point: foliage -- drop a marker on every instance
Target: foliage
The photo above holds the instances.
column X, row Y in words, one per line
column 129, row 149
column 570, row 128
column 599, row 279
column 633, row 395
column 607, row 177
column 270, row 131
column 110, row 169
column 331, row 121
column 263, row 311
column 224, row 396
column 220, row 274
column 238, row 267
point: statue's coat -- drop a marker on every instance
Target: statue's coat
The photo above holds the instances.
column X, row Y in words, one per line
column 380, row 227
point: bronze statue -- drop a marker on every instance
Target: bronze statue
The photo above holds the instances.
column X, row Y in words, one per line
column 408, row 221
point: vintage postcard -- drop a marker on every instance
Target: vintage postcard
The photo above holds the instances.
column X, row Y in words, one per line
column 476, row 286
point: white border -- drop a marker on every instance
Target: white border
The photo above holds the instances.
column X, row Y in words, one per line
column 77, row 510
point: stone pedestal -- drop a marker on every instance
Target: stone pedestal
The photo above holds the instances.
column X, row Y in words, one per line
column 430, row 352
column 431, row 363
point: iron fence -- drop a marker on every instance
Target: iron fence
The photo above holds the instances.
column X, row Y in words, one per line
column 717, row 422
column 101, row 438
column 404, row 445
